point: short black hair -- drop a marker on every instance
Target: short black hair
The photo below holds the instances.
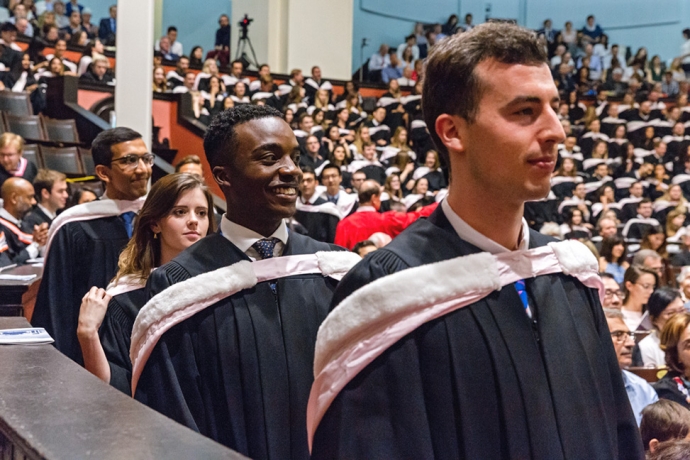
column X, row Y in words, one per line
column 172, row 29
column 660, row 299
column 8, row 27
column 101, row 148
column 308, row 170
column 220, row 140
column 363, row 244
column 330, row 166
column 607, row 275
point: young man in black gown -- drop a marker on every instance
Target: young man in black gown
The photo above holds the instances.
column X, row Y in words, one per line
column 85, row 241
column 239, row 371
column 529, row 370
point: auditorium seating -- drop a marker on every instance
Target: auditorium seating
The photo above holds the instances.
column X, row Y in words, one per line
column 61, row 130
column 63, row 159
column 30, row 127
column 31, row 153
column 15, row 103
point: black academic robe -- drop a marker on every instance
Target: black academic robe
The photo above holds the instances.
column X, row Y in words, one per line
column 35, row 217
column 240, row 371
column 484, row 382
column 29, row 173
column 82, row 254
column 17, row 240
column 320, row 225
column 667, row 388
column 115, row 334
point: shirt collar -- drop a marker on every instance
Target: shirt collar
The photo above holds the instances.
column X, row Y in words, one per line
column 244, row 238
column 47, row 211
column 311, row 200
column 366, row 209
column 5, row 214
column 475, row 238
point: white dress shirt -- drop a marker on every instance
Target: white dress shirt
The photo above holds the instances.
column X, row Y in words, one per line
column 472, row 236
column 475, row 238
column 244, row 238
column 47, row 211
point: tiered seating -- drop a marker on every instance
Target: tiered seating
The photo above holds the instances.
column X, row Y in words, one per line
column 15, row 103
column 50, row 143
column 64, row 159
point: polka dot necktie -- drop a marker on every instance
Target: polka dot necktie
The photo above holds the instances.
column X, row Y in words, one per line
column 265, row 247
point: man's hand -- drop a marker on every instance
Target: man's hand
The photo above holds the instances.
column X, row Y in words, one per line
column 41, row 234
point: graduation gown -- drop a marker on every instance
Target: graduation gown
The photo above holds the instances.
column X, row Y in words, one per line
column 28, row 171
column 36, row 217
column 240, row 371
column 484, row 382
column 16, row 240
column 115, row 334
column 82, row 254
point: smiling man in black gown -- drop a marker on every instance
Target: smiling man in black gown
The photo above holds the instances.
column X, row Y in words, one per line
column 528, row 371
column 240, row 370
column 86, row 240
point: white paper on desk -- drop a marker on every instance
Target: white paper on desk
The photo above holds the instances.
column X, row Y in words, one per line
column 37, row 260
column 27, row 335
column 17, row 277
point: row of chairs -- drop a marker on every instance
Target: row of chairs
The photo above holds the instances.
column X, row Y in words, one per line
column 16, row 103
column 16, row 116
column 73, row 161
column 39, row 128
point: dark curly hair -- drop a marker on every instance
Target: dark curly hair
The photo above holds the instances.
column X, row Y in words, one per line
column 220, row 141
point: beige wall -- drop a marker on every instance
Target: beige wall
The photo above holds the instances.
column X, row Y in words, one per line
column 320, row 33
column 291, row 34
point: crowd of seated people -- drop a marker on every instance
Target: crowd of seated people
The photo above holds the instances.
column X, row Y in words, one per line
column 622, row 180
column 30, row 199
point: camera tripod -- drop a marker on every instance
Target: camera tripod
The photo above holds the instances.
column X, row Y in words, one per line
column 243, row 41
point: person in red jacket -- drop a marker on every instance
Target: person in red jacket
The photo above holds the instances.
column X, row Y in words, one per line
column 366, row 220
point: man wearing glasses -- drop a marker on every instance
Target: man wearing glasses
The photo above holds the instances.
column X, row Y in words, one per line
column 613, row 296
column 85, row 241
column 640, row 393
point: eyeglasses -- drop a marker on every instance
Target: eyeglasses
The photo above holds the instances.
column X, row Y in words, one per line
column 132, row 160
column 622, row 336
column 608, row 293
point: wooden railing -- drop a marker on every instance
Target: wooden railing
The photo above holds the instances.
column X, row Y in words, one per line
column 51, row 408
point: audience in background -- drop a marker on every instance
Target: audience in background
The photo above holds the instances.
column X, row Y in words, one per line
column 640, row 393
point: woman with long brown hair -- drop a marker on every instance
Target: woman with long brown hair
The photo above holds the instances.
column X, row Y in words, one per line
column 174, row 216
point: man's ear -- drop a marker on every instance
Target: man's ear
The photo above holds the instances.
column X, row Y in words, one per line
column 653, row 445
column 449, row 128
column 103, row 173
column 45, row 194
column 220, row 175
